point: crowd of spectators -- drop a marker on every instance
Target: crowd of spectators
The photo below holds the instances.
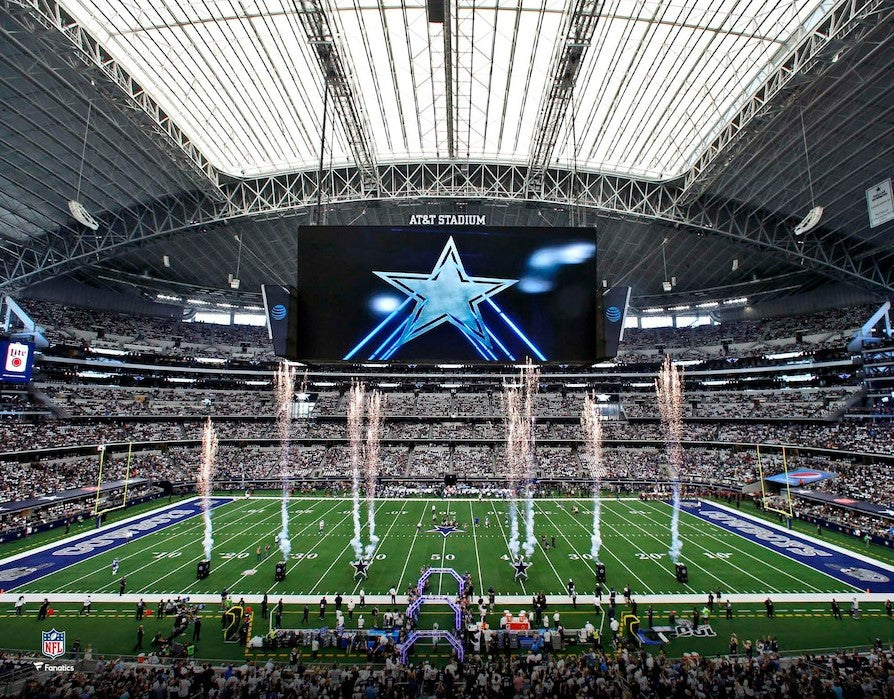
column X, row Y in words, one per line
column 833, row 321
column 734, row 467
column 861, row 436
column 79, row 399
column 623, row 673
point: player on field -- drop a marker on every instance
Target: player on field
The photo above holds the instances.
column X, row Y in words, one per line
column 114, row 567
column 322, row 524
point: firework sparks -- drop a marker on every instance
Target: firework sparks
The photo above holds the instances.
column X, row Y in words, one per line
column 284, row 387
column 373, row 435
column 357, row 398
column 669, row 392
column 203, row 483
column 592, row 426
column 520, row 419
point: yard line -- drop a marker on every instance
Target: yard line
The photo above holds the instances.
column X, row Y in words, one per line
column 274, row 515
column 335, row 559
column 475, row 542
column 691, row 562
column 190, row 526
column 564, row 536
column 381, row 541
column 442, row 562
column 503, row 532
column 707, row 532
column 146, row 589
column 609, row 551
column 320, row 540
column 412, row 544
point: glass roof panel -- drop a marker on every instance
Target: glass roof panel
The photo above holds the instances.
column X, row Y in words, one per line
column 241, row 78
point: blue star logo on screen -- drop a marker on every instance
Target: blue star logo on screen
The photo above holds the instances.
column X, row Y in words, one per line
column 447, row 294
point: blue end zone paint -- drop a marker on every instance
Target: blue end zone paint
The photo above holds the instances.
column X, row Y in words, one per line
column 25, row 568
column 841, row 566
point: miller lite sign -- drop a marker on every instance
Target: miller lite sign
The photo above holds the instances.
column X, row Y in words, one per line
column 17, row 357
column 18, row 361
column 53, row 643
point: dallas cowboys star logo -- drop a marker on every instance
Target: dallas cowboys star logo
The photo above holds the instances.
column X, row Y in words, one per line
column 361, row 568
column 445, row 530
column 446, row 295
column 521, row 569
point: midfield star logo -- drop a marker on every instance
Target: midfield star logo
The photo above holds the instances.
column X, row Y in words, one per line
column 445, row 530
column 361, row 568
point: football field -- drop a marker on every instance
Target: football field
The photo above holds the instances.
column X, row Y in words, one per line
column 724, row 549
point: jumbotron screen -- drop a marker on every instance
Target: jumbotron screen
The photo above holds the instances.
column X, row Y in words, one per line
column 409, row 294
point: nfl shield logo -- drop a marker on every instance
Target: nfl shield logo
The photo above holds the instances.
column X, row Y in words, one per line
column 53, row 643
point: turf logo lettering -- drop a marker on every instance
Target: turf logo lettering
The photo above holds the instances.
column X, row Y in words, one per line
column 799, row 548
column 127, row 532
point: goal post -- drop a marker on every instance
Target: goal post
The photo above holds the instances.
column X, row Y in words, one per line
column 98, row 509
column 779, row 503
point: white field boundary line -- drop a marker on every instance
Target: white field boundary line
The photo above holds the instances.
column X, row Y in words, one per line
column 188, row 521
column 810, row 540
column 805, row 537
column 507, row 601
column 708, row 533
column 141, row 551
column 703, row 548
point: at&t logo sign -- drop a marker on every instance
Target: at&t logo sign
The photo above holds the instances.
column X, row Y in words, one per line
column 613, row 314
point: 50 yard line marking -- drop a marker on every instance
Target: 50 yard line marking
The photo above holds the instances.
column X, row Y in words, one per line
column 412, row 544
column 475, row 542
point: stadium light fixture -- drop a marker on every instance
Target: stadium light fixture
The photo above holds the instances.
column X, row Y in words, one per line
column 77, row 210
column 812, row 219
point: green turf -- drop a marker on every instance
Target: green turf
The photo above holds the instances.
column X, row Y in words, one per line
column 798, row 626
column 635, row 536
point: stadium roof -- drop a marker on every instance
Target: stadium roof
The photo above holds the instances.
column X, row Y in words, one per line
column 717, row 123
column 650, row 83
